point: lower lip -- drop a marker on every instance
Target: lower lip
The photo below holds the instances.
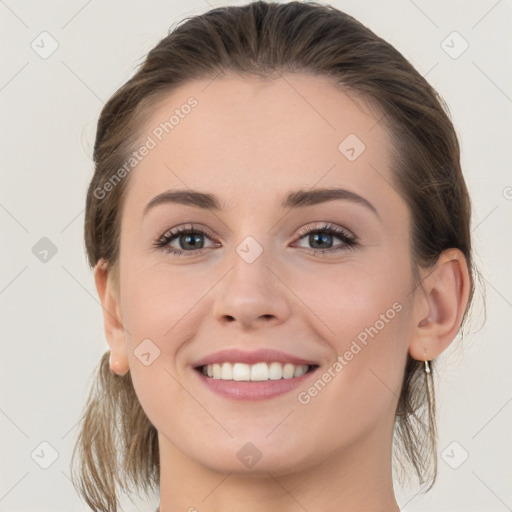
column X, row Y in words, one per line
column 259, row 390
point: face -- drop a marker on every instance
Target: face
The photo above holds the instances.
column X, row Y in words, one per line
column 268, row 277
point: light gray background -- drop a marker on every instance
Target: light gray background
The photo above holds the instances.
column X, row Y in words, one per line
column 52, row 331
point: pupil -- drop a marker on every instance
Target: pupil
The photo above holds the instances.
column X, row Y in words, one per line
column 189, row 240
column 319, row 238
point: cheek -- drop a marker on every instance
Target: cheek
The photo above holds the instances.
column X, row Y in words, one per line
column 356, row 300
column 154, row 311
column 363, row 314
column 156, row 302
column 358, row 392
column 162, row 308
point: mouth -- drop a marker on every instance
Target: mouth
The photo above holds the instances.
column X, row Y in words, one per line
column 257, row 375
column 258, row 372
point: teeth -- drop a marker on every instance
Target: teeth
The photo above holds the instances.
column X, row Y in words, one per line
column 254, row 372
column 288, row 371
column 300, row 370
column 226, row 372
column 241, row 371
column 259, row 371
column 275, row 371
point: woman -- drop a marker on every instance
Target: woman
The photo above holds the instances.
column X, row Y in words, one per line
column 279, row 230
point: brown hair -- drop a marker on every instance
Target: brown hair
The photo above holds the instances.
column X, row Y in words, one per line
column 117, row 444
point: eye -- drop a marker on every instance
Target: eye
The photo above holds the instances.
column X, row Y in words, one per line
column 320, row 238
column 189, row 239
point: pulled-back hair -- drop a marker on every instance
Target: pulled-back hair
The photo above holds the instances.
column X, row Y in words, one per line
column 117, row 445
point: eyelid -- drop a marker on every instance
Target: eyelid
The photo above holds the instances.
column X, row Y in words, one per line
column 326, row 226
column 191, row 226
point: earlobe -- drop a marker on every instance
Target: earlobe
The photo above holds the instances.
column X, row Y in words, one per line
column 114, row 331
column 440, row 304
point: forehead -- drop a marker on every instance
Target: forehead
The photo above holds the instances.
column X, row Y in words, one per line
column 249, row 137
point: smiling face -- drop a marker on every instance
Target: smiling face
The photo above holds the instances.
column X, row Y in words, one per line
column 250, row 277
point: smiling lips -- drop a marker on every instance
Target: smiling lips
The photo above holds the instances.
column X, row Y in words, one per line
column 243, row 375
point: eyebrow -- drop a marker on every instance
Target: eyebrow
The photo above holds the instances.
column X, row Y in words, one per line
column 295, row 199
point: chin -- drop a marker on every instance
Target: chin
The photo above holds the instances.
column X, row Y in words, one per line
column 256, row 457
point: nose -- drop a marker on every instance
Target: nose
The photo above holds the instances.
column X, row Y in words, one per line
column 251, row 295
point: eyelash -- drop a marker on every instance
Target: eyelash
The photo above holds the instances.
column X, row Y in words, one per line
column 349, row 240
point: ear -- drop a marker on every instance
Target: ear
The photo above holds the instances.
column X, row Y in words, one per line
column 440, row 303
column 114, row 330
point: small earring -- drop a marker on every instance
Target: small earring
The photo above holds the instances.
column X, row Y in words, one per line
column 427, row 366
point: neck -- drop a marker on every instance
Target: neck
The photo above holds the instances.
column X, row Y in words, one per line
column 358, row 478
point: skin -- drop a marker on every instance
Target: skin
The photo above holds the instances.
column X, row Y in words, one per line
column 250, row 142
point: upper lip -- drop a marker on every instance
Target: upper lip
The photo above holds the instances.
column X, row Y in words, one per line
column 266, row 355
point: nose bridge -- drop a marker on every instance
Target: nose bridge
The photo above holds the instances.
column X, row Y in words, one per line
column 250, row 292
